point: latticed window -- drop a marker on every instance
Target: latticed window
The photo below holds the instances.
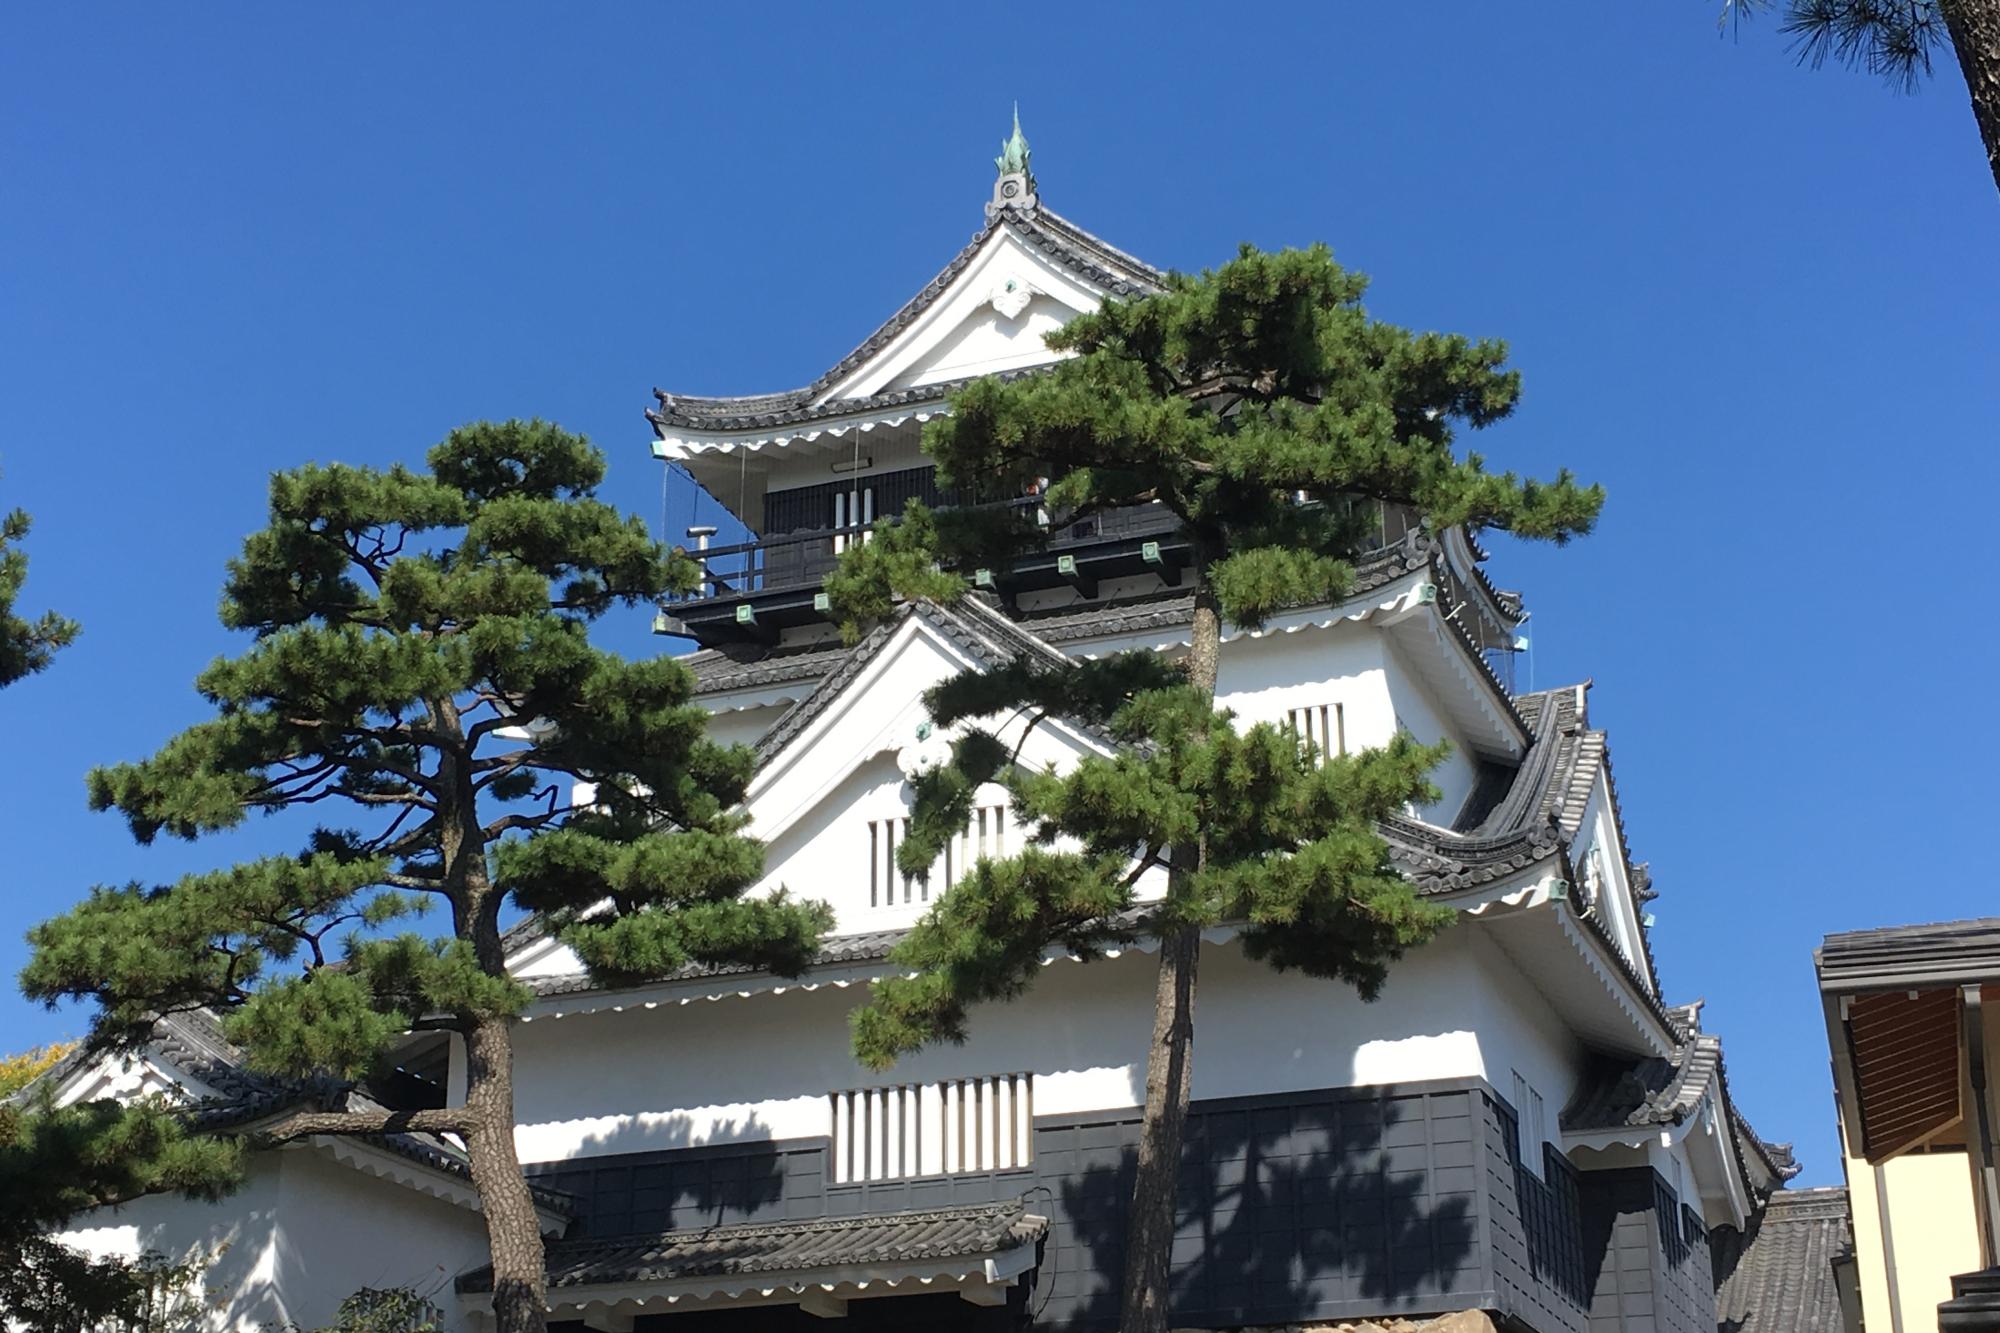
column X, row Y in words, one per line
column 1322, row 726
column 1530, row 1123
column 928, row 1129
column 985, row 835
column 885, row 881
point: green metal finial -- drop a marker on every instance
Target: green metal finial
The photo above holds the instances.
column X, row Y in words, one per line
column 1014, row 154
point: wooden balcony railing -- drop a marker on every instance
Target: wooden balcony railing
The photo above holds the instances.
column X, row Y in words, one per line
column 798, row 560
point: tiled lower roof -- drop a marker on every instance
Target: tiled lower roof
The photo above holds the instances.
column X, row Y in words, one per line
column 1777, row 1274
column 1651, row 1092
column 834, row 950
column 192, row 1042
column 972, row 1232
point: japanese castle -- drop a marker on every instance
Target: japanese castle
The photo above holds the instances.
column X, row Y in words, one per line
column 1524, row 1125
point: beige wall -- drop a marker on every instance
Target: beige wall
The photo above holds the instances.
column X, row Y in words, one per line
column 1932, row 1234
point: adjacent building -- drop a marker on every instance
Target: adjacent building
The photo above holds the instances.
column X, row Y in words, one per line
column 1912, row 1045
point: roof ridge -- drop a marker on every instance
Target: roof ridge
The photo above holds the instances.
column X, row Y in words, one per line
column 1040, row 228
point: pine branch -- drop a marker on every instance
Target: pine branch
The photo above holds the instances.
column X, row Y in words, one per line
column 418, row 883
column 349, row 1124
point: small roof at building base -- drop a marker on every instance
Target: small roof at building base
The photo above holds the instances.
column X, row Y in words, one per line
column 977, row 1251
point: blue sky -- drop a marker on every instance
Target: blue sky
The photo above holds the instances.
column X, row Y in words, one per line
column 1757, row 302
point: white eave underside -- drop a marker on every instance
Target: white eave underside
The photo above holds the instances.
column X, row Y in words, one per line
column 679, row 444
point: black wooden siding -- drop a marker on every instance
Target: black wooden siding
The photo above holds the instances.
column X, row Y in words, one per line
column 1332, row 1205
column 1652, row 1270
column 810, row 508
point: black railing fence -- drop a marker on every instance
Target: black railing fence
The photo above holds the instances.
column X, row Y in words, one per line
column 801, row 559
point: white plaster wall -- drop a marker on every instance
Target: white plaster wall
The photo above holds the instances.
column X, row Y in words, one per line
column 1263, row 679
column 341, row 1230
column 241, row 1231
column 1526, row 1034
column 957, row 335
column 1356, row 666
column 988, row 341
column 814, row 803
column 1417, row 710
column 126, row 1077
column 745, row 726
column 301, row 1236
column 761, row 1066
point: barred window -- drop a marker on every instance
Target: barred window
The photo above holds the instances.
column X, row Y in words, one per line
column 1530, row 1124
column 1322, row 726
column 985, row 835
column 885, row 881
column 927, row 1129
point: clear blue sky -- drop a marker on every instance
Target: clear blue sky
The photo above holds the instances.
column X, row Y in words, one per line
column 1757, row 302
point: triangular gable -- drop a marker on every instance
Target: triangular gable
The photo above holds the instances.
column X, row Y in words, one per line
column 871, row 705
column 1026, row 272
column 126, row 1077
column 991, row 317
column 851, row 734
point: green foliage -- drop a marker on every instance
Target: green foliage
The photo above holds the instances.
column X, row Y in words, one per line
column 56, row 1162
column 395, row 1310
column 52, row 1288
column 1263, row 408
column 47, row 1287
column 26, row 646
column 898, row 560
column 420, row 657
column 1889, row 38
column 1287, row 851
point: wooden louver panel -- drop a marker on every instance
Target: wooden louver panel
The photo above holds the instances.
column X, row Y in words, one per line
column 1906, row 1067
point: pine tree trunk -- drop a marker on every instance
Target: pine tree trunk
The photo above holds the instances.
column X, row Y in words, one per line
column 1149, row 1234
column 513, row 1230
column 1974, row 26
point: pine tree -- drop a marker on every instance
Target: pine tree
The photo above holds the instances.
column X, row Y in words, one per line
column 26, row 646
column 1271, row 416
column 421, row 657
column 1896, row 39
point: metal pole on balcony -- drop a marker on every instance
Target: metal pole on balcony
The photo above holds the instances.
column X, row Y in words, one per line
column 700, row 535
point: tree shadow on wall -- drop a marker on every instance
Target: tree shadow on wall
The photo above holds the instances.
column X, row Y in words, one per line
column 734, row 1174
column 1329, row 1209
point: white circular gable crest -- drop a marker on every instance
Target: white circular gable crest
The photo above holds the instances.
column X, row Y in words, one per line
column 1010, row 295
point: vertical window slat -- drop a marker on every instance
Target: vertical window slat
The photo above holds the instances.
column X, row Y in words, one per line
column 948, row 1127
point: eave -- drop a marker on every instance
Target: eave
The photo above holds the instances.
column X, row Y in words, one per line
column 383, row 1163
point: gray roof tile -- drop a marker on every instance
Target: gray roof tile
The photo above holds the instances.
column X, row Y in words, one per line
column 1777, row 1274
column 1651, row 1092
column 192, row 1042
column 1896, row 957
column 834, row 950
column 970, row 1233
